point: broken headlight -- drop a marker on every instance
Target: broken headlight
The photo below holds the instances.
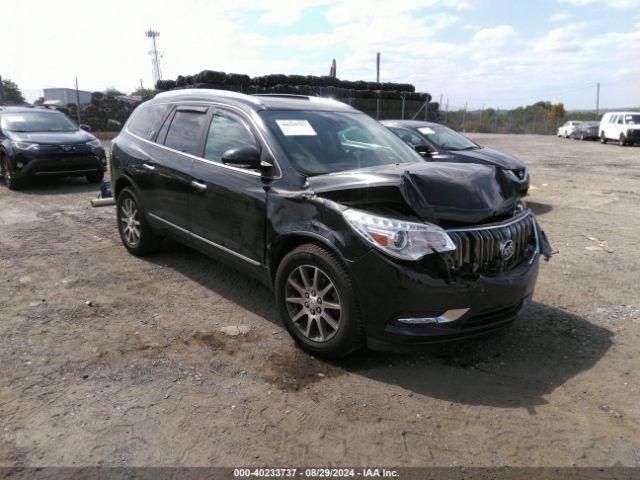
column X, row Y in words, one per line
column 399, row 238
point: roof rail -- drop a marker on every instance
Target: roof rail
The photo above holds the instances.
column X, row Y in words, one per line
column 283, row 95
column 179, row 92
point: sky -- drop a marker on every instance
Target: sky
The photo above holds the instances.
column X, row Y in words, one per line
column 498, row 53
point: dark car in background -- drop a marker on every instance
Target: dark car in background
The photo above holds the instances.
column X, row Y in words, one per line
column 439, row 143
column 586, row 131
column 361, row 240
column 37, row 142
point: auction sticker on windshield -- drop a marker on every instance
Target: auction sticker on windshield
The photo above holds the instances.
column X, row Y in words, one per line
column 293, row 128
column 426, row 130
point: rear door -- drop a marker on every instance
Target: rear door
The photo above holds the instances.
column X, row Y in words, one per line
column 228, row 204
column 181, row 138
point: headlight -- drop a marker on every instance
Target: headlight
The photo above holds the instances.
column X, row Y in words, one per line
column 94, row 143
column 399, row 238
column 25, row 145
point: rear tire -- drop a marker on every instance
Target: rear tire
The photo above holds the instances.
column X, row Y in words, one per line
column 309, row 279
column 135, row 232
column 95, row 177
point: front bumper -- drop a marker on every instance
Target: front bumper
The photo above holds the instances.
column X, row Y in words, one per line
column 388, row 291
column 59, row 164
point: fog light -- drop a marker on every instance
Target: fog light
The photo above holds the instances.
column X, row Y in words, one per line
column 446, row 317
column 20, row 165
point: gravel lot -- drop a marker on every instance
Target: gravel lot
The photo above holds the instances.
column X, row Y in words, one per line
column 112, row 360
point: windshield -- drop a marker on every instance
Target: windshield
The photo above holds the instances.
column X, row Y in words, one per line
column 446, row 139
column 632, row 119
column 37, row 122
column 326, row 142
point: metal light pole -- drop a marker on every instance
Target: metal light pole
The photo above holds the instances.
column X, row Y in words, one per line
column 378, row 67
column 78, row 101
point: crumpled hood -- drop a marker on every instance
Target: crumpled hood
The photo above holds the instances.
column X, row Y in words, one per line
column 433, row 191
column 488, row 156
column 53, row 138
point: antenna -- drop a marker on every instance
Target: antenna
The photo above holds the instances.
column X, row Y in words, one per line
column 155, row 55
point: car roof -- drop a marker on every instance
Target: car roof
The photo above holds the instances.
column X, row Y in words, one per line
column 5, row 109
column 253, row 102
column 409, row 123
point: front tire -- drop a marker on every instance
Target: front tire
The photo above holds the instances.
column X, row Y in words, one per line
column 622, row 141
column 5, row 173
column 317, row 302
column 603, row 139
column 135, row 232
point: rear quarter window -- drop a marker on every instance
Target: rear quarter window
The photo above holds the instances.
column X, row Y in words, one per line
column 146, row 120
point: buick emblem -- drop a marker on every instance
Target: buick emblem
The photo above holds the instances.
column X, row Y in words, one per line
column 506, row 249
column 67, row 148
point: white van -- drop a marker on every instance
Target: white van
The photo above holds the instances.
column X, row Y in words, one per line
column 624, row 127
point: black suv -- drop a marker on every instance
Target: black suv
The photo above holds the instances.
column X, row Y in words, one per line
column 44, row 142
column 439, row 143
column 360, row 239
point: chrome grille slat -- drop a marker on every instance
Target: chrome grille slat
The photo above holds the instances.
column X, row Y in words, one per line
column 478, row 248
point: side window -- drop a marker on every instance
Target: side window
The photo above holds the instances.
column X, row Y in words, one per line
column 613, row 119
column 408, row 136
column 185, row 132
column 620, row 119
column 146, row 120
column 227, row 131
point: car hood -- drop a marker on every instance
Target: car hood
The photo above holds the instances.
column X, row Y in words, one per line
column 437, row 192
column 490, row 157
column 53, row 138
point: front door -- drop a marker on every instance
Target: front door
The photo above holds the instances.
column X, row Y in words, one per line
column 228, row 204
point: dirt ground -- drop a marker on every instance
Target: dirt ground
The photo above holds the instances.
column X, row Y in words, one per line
column 107, row 359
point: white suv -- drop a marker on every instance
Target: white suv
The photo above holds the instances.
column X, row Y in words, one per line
column 621, row 126
column 566, row 129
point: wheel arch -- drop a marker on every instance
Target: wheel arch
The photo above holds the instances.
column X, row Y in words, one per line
column 288, row 242
column 122, row 182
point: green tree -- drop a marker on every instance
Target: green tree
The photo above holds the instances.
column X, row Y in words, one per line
column 11, row 92
column 145, row 93
column 114, row 92
column 557, row 112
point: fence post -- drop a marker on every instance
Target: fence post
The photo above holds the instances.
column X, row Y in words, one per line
column 497, row 113
column 378, row 106
column 403, row 106
column 481, row 117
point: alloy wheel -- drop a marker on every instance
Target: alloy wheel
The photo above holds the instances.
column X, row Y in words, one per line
column 130, row 222
column 313, row 303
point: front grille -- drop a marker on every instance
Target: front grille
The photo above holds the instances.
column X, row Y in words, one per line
column 482, row 249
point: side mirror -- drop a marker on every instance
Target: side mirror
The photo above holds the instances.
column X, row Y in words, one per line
column 85, row 127
column 423, row 150
column 244, row 157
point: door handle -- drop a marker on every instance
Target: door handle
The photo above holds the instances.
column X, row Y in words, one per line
column 148, row 167
column 199, row 186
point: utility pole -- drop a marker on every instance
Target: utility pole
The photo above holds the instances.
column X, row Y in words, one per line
column 155, row 56
column 464, row 117
column 78, row 101
column 598, row 99
column 378, row 67
column 446, row 113
column 141, row 87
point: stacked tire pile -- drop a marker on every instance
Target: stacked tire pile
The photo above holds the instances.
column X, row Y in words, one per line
column 105, row 113
column 382, row 100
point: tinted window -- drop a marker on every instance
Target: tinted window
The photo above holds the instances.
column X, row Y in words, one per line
column 620, row 119
column 632, row 119
column 185, row 132
column 227, row 132
column 146, row 120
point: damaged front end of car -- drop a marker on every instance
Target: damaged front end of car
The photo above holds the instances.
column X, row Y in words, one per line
column 447, row 251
